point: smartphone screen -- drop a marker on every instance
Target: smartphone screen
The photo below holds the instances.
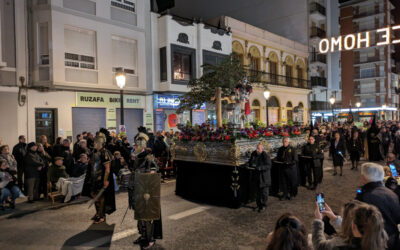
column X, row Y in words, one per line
column 359, row 191
column 394, row 171
column 321, row 202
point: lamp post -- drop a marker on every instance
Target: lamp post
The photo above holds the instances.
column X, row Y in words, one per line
column 358, row 105
column 383, row 111
column 332, row 100
column 267, row 94
column 121, row 78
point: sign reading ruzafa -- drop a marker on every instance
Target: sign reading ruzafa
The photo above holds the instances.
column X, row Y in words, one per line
column 357, row 41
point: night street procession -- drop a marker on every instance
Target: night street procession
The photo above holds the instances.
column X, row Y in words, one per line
column 199, row 124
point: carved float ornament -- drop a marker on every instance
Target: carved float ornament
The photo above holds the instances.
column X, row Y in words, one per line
column 200, row 151
column 183, row 38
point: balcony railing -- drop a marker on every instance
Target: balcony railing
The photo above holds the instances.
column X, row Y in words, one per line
column 368, row 59
column 318, row 58
column 370, row 12
column 317, row 32
column 279, row 80
column 318, row 81
column 368, row 74
column 320, row 105
column 316, row 7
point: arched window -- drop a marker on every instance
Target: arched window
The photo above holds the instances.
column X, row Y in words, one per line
column 255, row 106
column 255, row 58
column 289, row 105
column 273, row 110
column 238, row 50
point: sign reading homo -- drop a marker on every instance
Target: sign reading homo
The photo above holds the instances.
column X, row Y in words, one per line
column 357, row 41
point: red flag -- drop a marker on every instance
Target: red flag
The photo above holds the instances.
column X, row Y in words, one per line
column 247, row 109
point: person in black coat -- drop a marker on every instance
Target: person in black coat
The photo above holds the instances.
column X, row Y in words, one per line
column 261, row 162
column 80, row 166
column 33, row 164
column 375, row 193
column 356, row 149
column 386, row 139
column 288, row 170
column 19, row 152
column 313, row 155
column 338, row 152
column 374, row 143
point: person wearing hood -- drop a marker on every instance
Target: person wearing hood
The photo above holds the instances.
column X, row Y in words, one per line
column 374, row 144
column 33, row 164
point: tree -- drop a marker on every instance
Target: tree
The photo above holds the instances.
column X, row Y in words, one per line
column 227, row 75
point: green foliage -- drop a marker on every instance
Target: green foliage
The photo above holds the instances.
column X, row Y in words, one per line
column 227, row 75
column 290, row 123
column 258, row 124
column 247, row 125
column 188, row 123
column 278, row 124
column 224, row 121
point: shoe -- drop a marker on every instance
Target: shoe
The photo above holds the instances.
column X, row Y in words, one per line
column 288, row 198
column 341, row 174
column 352, row 168
column 261, row 209
column 149, row 245
column 138, row 240
column 12, row 205
column 31, row 201
column 313, row 187
column 99, row 220
column 334, row 174
column 94, row 217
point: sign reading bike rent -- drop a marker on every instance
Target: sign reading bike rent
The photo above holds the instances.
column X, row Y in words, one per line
column 87, row 99
column 359, row 40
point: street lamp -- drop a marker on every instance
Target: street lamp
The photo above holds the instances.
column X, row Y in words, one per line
column 267, row 94
column 332, row 100
column 383, row 111
column 358, row 105
column 121, row 79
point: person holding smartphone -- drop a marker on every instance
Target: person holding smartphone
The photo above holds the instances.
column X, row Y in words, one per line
column 338, row 152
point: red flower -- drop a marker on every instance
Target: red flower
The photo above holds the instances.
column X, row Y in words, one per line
column 181, row 137
column 213, row 138
column 227, row 137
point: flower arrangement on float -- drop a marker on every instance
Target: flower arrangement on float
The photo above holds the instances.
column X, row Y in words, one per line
column 205, row 132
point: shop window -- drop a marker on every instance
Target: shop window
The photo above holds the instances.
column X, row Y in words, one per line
column 45, row 124
column 183, row 64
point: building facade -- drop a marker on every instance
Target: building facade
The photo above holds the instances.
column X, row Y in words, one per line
column 75, row 48
column 324, row 69
column 181, row 46
column 368, row 74
column 278, row 63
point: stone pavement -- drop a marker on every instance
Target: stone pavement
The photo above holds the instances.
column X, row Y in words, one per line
column 186, row 224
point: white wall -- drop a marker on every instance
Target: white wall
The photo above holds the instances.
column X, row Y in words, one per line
column 8, row 118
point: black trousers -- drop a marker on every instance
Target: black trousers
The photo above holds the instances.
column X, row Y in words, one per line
column 262, row 196
column 309, row 172
column 288, row 177
column 20, row 173
column 146, row 230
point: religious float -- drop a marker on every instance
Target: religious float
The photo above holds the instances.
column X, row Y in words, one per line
column 211, row 161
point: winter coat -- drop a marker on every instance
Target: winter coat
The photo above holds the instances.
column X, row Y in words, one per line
column 32, row 162
column 262, row 164
column 19, row 152
column 338, row 153
column 11, row 163
column 313, row 151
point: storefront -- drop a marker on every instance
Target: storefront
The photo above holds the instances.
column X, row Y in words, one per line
column 166, row 117
column 96, row 110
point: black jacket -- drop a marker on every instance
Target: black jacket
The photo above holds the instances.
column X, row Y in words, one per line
column 334, row 152
column 386, row 201
column 315, row 152
column 79, row 169
column 32, row 162
column 19, row 152
column 262, row 165
column 287, row 155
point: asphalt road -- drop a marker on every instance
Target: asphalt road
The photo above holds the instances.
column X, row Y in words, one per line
column 186, row 224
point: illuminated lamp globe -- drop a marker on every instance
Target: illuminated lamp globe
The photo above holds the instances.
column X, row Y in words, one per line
column 267, row 93
column 358, row 104
column 332, row 100
column 121, row 79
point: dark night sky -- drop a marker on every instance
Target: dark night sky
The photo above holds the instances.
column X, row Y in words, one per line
column 266, row 14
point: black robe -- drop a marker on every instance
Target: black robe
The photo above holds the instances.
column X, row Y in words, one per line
column 374, row 149
column 338, row 153
column 356, row 149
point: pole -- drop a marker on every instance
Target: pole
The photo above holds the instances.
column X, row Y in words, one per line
column 267, row 113
column 333, row 115
column 218, row 105
column 122, row 107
